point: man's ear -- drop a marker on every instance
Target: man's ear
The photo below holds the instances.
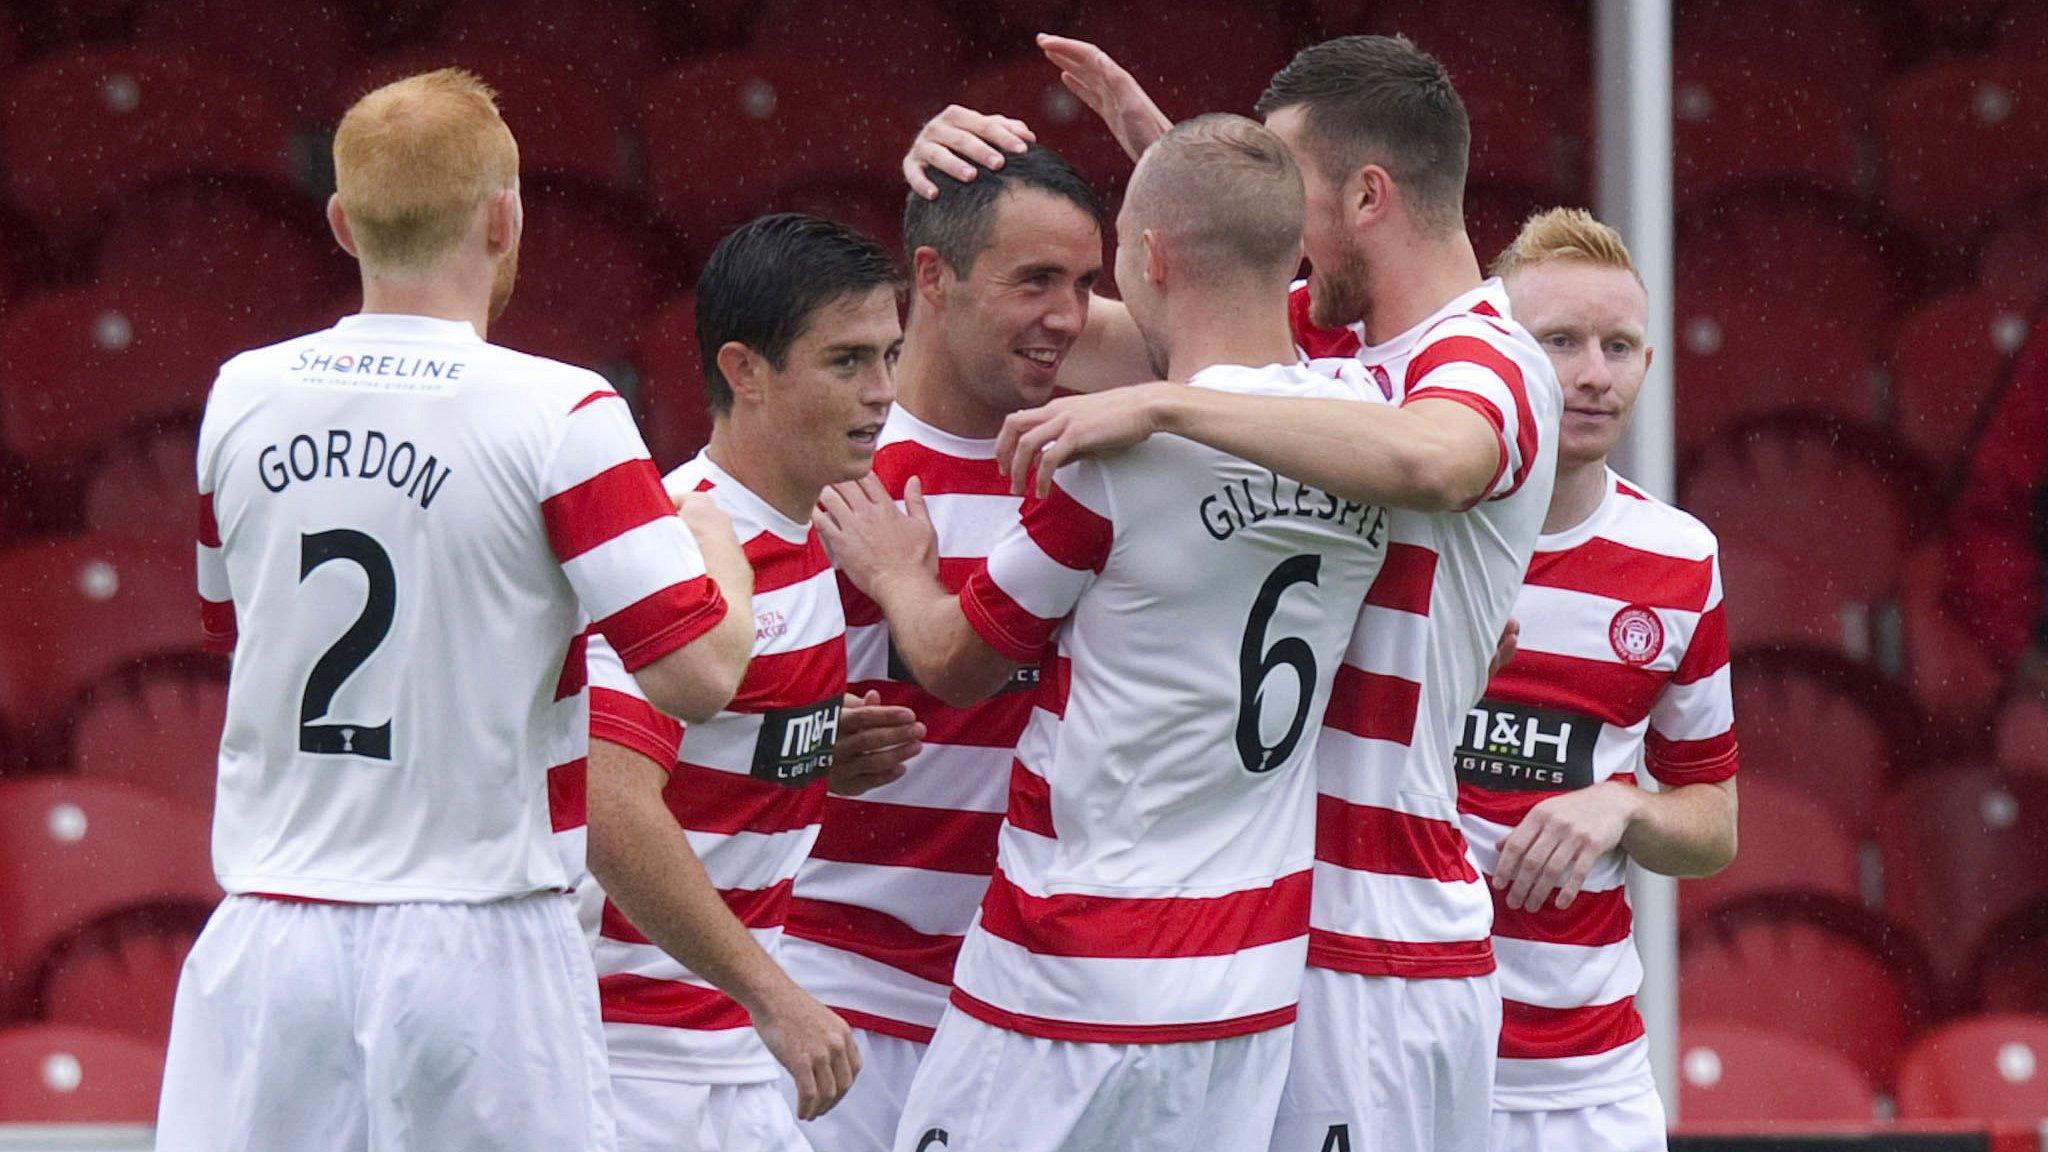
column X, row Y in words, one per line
column 1370, row 192
column 1649, row 357
column 929, row 274
column 337, row 221
column 1157, row 257
column 504, row 217
column 745, row 370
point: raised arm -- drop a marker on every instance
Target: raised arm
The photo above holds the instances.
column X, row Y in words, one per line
column 892, row 556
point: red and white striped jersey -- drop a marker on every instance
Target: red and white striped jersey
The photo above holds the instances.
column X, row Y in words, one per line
column 1396, row 893
column 1623, row 661
column 403, row 531
column 747, row 787
column 1153, row 868
column 894, row 880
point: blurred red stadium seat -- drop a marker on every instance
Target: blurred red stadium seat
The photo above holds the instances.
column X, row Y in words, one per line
column 73, row 851
column 240, row 244
column 124, row 495
column 2008, row 254
column 1199, row 56
column 773, row 123
column 1542, row 44
column 1734, row 124
column 55, row 1074
column 158, row 727
column 1495, row 213
column 148, row 114
column 612, row 45
column 1837, row 978
column 1947, row 357
column 1841, row 46
column 121, row 973
column 1736, row 1074
column 100, row 605
column 1029, row 89
column 1946, row 670
column 2020, row 739
column 1774, row 601
column 874, row 208
column 911, row 47
column 1963, row 845
column 1961, row 138
column 1522, row 134
column 675, row 412
column 1987, row 1069
column 85, row 366
column 1791, row 842
column 301, row 48
column 584, row 282
column 2009, row 973
column 1823, row 724
column 1837, row 507
column 565, row 124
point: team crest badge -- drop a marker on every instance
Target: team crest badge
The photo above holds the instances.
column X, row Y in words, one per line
column 1636, row 635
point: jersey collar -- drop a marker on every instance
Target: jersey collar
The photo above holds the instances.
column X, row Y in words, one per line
column 1490, row 298
column 737, row 497
column 408, row 327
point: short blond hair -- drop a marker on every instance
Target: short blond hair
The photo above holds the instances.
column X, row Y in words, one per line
column 415, row 160
column 1228, row 190
column 1565, row 234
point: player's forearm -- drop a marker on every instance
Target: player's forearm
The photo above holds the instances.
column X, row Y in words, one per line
column 1686, row 831
column 944, row 653
column 1372, row 453
column 698, row 680
column 645, row 863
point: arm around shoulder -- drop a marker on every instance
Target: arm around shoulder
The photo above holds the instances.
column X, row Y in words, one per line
column 697, row 680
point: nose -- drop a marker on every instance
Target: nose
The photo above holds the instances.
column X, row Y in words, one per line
column 1068, row 316
column 879, row 388
column 1594, row 373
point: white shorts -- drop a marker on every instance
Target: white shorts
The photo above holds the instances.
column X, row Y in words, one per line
column 387, row 1028
column 986, row 1089
column 865, row 1118
column 1387, row 1064
column 1633, row 1124
column 673, row 1116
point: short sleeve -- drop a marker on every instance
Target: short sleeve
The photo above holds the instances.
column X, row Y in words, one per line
column 1468, row 369
column 1691, row 739
column 1036, row 573
column 620, row 712
column 216, row 598
column 633, row 563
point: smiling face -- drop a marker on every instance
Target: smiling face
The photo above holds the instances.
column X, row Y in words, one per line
column 828, row 400
column 1593, row 322
column 1009, row 322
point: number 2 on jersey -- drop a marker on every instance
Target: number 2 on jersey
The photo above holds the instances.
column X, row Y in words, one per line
column 1256, row 663
column 354, row 647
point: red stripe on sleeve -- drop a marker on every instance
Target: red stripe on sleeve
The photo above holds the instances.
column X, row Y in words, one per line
column 630, row 722
column 656, row 625
column 575, row 668
column 1679, row 762
column 1707, row 652
column 1389, row 843
column 594, row 397
column 1373, row 707
column 1030, row 802
column 604, row 507
column 1487, row 412
column 1161, row 927
column 1002, row 623
column 209, row 529
column 1073, row 534
column 217, row 627
column 1528, row 1032
column 1473, row 350
column 667, row 1003
column 1406, row 580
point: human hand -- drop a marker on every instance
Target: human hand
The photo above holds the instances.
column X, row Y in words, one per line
column 1556, row 845
column 955, row 141
column 875, row 741
column 1048, row 436
column 1109, row 90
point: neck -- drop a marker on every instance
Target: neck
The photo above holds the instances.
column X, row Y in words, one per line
column 1247, row 328
column 756, row 460
column 1580, row 489
column 1411, row 285
column 929, row 386
column 440, row 297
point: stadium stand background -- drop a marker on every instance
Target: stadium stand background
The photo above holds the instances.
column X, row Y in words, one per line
column 1862, row 246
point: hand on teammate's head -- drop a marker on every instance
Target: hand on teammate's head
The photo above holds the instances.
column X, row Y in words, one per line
column 956, row 140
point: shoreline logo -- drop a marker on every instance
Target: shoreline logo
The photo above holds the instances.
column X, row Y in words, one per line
column 1636, row 635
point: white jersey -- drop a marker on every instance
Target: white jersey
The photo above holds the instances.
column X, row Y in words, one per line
column 1152, row 874
column 1396, row 892
column 1623, row 662
column 890, row 888
column 403, row 531
column 747, row 788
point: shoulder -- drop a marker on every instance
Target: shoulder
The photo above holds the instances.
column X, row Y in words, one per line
column 559, row 389
column 1645, row 522
column 1326, row 378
